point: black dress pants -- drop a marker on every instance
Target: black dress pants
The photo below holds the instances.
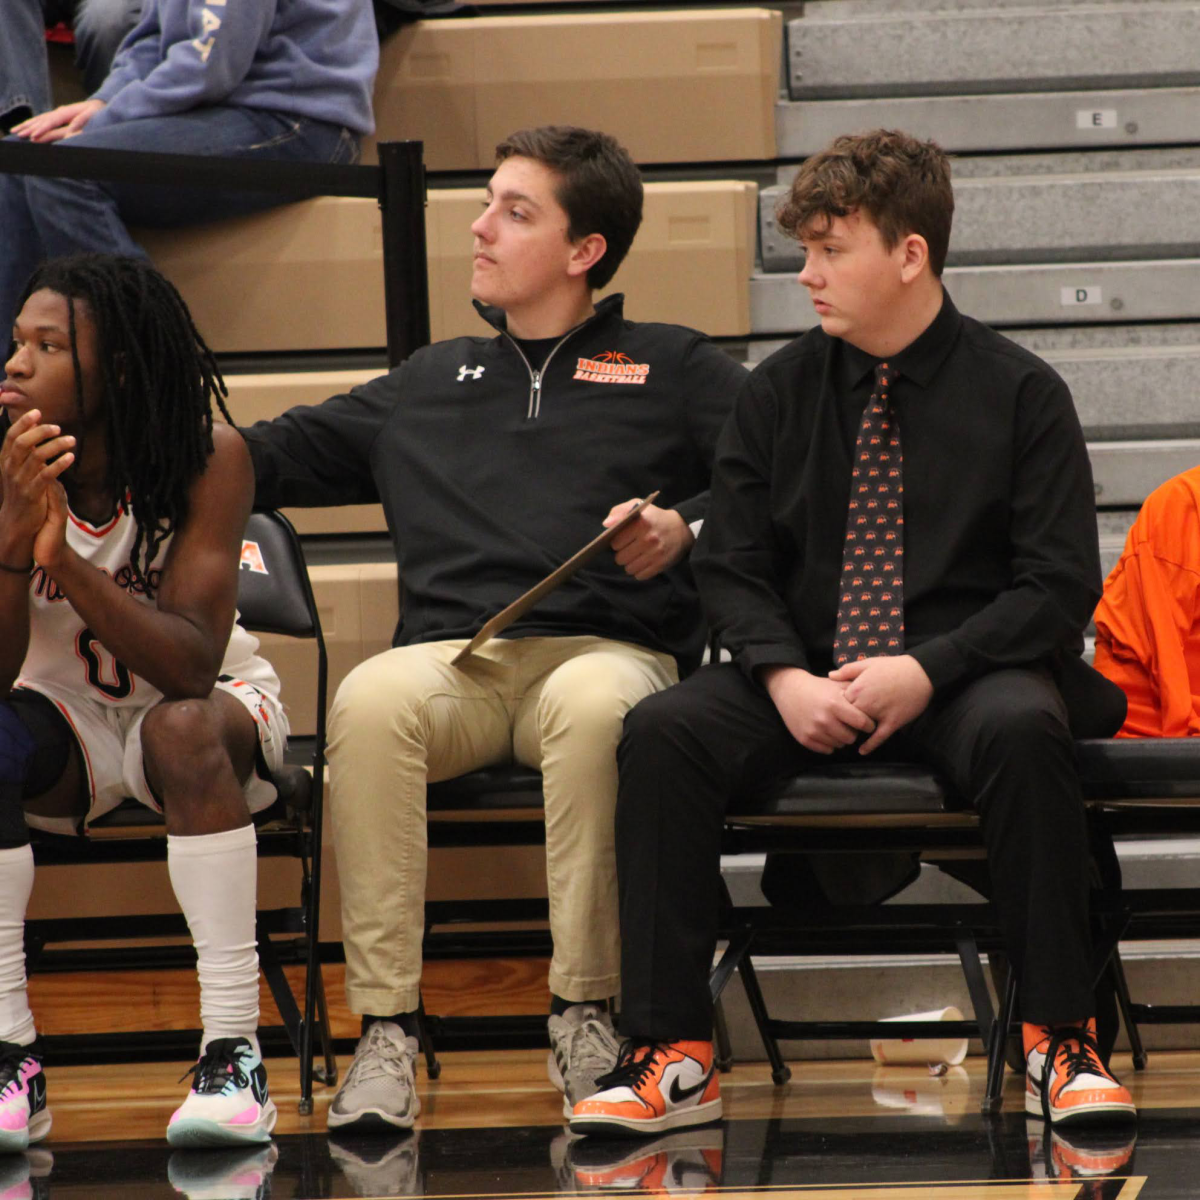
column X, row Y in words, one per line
column 1002, row 741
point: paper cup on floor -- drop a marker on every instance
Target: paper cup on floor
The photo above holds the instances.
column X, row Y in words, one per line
column 919, row 1093
column 950, row 1050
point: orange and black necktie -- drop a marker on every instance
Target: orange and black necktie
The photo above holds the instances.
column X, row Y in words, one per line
column 870, row 618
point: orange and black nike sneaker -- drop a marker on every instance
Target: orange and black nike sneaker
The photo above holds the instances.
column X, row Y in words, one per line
column 686, row 1162
column 655, row 1086
column 1066, row 1081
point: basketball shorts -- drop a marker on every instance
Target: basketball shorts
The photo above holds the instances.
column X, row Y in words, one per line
column 110, row 739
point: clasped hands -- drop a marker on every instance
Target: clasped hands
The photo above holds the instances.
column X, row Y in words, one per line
column 33, row 509
column 875, row 696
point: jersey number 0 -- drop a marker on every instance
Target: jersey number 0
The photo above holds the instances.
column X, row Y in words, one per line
column 98, row 664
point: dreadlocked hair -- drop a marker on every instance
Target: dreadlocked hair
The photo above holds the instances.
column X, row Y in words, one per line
column 158, row 381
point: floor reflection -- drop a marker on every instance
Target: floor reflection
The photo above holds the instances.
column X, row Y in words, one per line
column 846, row 1154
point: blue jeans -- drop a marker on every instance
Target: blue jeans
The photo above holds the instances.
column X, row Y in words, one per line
column 100, row 27
column 43, row 217
column 24, row 71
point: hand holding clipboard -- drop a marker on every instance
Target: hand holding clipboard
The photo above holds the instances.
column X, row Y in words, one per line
column 519, row 607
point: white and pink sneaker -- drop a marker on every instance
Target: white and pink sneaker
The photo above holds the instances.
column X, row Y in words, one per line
column 229, row 1103
column 24, row 1117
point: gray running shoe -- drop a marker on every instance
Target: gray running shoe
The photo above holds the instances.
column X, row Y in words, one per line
column 379, row 1094
column 379, row 1166
column 583, row 1046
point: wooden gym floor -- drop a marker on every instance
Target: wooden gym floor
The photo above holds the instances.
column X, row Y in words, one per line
column 492, row 1124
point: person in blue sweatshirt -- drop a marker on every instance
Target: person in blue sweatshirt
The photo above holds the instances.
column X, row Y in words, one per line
column 252, row 78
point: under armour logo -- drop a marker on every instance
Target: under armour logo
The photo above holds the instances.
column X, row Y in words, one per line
column 474, row 373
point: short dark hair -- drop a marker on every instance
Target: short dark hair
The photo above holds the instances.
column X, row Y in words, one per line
column 158, row 384
column 900, row 182
column 600, row 188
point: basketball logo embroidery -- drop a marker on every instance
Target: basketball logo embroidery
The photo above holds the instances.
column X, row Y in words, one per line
column 611, row 367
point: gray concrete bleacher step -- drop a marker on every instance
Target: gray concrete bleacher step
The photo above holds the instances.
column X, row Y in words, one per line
column 1022, row 294
column 1125, row 473
column 998, row 121
column 989, row 49
column 826, row 9
column 1113, row 527
column 1047, row 209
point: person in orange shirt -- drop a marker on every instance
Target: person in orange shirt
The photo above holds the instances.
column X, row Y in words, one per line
column 1148, row 621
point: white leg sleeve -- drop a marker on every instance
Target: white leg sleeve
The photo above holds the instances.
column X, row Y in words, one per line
column 16, row 883
column 215, row 877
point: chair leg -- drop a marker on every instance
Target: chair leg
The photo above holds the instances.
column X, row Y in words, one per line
column 780, row 1071
column 735, row 952
column 307, row 1070
column 298, row 1026
column 327, row 1074
column 1117, row 969
column 981, row 1001
column 281, row 990
column 993, row 1094
column 433, row 1068
column 724, row 1055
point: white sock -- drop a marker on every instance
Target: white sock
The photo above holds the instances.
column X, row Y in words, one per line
column 215, row 877
column 16, row 883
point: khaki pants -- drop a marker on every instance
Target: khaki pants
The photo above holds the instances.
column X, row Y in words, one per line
column 407, row 717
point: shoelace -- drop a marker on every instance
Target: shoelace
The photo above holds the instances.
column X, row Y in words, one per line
column 595, row 1044
column 220, row 1063
column 630, row 1070
column 380, row 1056
column 11, row 1058
column 1083, row 1059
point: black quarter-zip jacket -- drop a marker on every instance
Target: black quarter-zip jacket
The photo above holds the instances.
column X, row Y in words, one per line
column 491, row 473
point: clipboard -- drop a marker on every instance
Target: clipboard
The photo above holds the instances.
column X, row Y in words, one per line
column 519, row 607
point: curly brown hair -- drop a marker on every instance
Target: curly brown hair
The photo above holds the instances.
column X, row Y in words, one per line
column 900, row 182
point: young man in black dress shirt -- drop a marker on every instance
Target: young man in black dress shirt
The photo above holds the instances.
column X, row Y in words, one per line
column 901, row 557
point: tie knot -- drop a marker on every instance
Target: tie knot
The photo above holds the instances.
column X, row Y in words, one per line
column 883, row 375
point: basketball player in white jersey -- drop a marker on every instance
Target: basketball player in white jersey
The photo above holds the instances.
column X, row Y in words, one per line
column 122, row 672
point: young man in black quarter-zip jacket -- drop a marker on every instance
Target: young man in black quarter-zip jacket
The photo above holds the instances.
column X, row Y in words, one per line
column 495, row 458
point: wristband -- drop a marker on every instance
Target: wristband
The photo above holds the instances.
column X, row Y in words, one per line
column 17, row 570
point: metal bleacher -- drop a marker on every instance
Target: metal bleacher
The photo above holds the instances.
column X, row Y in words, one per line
column 1073, row 126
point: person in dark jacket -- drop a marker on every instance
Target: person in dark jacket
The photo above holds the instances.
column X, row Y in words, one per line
column 495, row 459
column 901, row 557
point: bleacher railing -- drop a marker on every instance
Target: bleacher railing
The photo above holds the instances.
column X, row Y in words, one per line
column 397, row 184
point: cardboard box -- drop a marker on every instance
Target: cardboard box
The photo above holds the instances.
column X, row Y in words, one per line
column 264, row 396
column 310, row 276
column 425, row 90
column 690, row 263
column 681, row 86
column 305, row 276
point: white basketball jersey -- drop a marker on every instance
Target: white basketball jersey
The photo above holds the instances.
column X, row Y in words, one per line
column 64, row 652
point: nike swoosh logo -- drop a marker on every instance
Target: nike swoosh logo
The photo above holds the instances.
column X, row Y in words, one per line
column 39, row 1092
column 678, row 1095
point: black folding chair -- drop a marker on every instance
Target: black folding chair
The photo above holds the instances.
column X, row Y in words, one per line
column 274, row 596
